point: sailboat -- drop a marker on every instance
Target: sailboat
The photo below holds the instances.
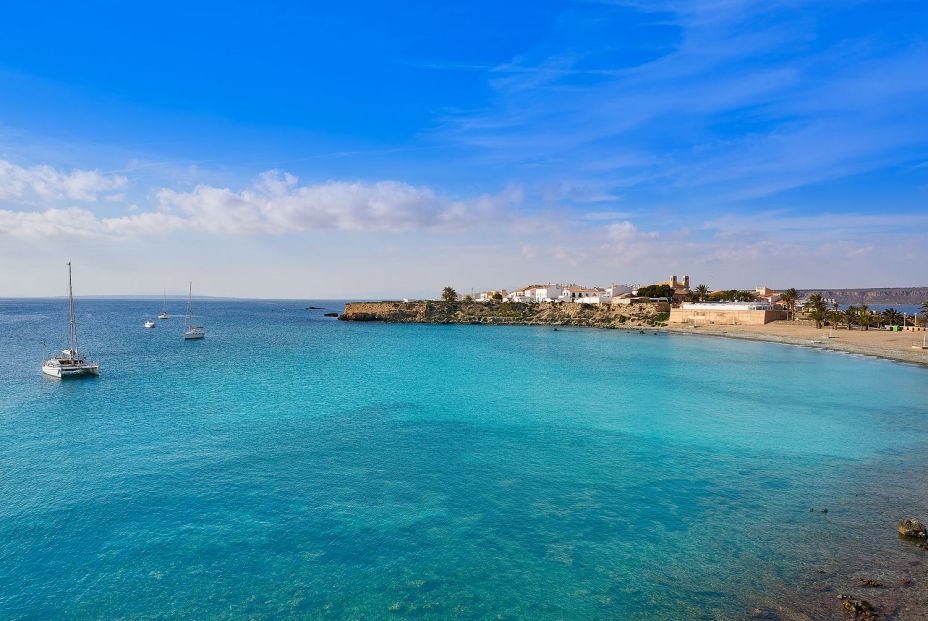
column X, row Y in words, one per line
column 191, row 332
column 70, row 363
column 164, row 306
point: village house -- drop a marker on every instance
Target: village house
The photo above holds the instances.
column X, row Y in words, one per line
column 489, row 296
column 766, row 294
column 584, row 295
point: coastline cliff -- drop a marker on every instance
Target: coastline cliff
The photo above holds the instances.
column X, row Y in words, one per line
column 511, row 313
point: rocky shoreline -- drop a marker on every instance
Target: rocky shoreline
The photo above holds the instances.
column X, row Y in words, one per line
column 649, row 315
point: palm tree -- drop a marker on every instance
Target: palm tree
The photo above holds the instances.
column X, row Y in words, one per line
column 817, row 309
column 850, row 314
column 448, row 294
column 789, row 298
column 701, row 292
column 864, row 316
column 891, row 316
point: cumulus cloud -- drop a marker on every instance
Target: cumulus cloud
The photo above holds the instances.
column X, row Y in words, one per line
column 275, row 204
column 47, row 182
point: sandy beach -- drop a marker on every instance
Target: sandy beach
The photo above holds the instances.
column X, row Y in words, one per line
column 880, row 343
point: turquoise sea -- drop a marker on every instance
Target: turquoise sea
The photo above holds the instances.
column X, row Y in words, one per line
column 295, row 466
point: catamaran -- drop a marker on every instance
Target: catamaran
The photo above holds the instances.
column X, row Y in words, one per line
column 70, row 363
column 192, row 332
column 164, row 307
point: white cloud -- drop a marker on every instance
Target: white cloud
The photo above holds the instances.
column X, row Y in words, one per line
column 276, row 204
column 46, row 182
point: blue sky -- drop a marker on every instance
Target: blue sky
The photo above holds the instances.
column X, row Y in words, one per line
column 383, row 149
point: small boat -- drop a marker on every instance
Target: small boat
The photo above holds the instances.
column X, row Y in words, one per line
column 164, row 307
column 149, row 324
column 70, row 363
column 192, row 332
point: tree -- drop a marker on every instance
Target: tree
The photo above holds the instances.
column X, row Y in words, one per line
column 850, row 314
column 497, row 296
column 891, row 317
column 817, row 309
column 468, row 298
column 449, row 295
column 656, row 291
column 789, row 298
column 864, row 316
column 732, row 295
column 701, row 293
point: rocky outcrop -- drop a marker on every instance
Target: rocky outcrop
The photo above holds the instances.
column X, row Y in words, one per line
column 505, row 313
column 912, row 528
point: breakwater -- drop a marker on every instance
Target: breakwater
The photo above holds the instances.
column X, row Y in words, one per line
column 514, row 313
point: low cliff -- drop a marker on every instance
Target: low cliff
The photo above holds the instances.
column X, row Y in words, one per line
column 548, row 314
column 898, row 295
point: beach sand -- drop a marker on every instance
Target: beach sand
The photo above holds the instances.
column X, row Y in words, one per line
column 873, row 342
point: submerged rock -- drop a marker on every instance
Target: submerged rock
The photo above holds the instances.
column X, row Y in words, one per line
column 912, row 528
column 860, row 608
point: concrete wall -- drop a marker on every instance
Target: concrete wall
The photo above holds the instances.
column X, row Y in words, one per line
column 725, row 317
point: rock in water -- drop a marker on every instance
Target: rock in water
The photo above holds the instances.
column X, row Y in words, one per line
column 331, row 315
column 912, row 528
column 860, row 609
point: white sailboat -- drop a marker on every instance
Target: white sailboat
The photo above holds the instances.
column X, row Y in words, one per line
column 70, row 363
column 164, row 307
column 192, row 332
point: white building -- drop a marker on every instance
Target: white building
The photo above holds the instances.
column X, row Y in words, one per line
column 584, row 295
column 617, row 290
column 490, row 296
column 547, row 293
column 536, row 293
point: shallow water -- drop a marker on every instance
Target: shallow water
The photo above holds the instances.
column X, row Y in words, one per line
column 291, row 465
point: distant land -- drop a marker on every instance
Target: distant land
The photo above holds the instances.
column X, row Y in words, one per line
column 890, row 295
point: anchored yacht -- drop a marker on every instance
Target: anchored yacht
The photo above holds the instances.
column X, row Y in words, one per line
column 192, row 332
column 164, row 307
column 70, row 363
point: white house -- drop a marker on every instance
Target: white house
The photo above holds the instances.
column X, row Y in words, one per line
column 616, row 290
column 584, row 295
column 547, row 293
column 535, row 293
column 489, row 296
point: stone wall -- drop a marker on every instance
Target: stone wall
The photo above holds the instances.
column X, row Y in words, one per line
column 725, row 317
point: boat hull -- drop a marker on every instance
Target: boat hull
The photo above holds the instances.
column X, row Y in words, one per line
column 68, row 371
column 194, row 333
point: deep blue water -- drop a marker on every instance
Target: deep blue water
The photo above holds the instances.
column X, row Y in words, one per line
column 294, row 466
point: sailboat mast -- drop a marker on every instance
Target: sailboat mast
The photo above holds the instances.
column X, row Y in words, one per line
column 189, row 300
column 72, row 327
